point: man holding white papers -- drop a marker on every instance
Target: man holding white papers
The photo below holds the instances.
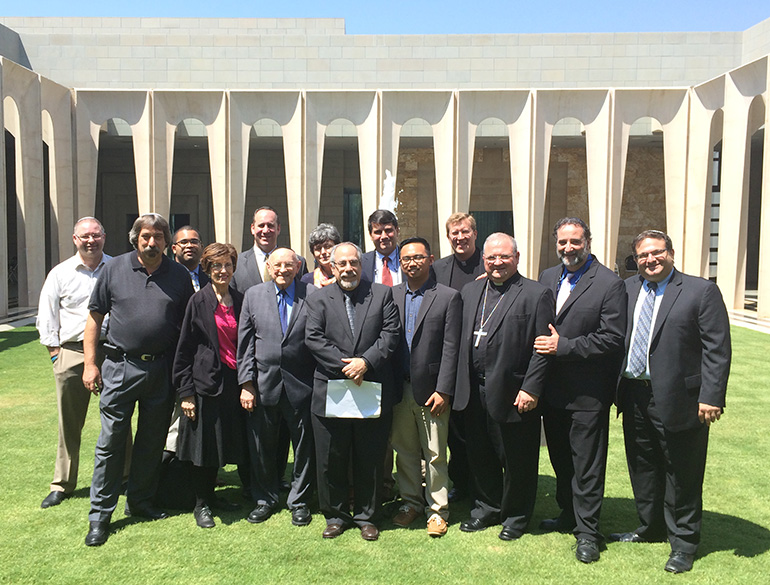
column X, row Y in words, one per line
column 353, row 331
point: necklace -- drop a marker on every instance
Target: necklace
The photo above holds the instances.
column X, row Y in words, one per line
column 479, row 333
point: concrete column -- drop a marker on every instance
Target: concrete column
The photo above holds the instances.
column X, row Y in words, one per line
column 763, row 299
column 3, row 210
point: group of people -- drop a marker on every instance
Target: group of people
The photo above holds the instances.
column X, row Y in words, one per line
column 388, row 351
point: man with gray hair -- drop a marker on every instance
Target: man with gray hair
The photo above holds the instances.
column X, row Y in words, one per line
column 145, row 294
column 61, row 321
column 500, row 380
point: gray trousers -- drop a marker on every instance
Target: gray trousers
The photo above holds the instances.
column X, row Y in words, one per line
column 128, row 382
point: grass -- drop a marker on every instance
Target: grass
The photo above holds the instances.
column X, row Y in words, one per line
column 46, row 546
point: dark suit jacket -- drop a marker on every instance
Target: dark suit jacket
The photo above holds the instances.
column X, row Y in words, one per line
column 690, row 349
column 592, row 329
column 197, row 367
column 270, row 359
column 436, row 340
column 512, row 364
column 246, row 274
column 329, row 338
column 368, row 263
column 443, row 268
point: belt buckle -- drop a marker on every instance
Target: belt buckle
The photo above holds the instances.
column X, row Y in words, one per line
column 147, row 357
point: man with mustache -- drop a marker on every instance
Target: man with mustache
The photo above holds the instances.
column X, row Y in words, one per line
column 145, row 294
column 586, row 347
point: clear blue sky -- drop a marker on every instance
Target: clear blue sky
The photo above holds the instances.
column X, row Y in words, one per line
column 447, row 16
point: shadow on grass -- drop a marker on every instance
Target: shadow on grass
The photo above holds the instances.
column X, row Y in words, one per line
column 16, row 337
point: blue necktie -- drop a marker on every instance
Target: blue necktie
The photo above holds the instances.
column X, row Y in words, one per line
column 282, row 311
column 637, row 359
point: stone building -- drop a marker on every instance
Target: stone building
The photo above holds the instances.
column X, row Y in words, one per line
column 203, row 120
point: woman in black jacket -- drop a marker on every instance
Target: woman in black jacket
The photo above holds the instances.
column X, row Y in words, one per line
column 212, row 433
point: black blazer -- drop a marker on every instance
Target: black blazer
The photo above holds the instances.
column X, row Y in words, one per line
column 329, row 338
column 690, row 349
column 442, row 269
column 197, row 367
column 512, row 363
column 368, row 264
column 246, row 274
column 592, row 331
column 436, row 340
column 267, row 357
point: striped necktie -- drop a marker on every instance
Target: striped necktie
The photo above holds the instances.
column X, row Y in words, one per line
column 637, row 358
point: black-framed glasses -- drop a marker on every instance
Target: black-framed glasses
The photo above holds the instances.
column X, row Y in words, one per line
column 417, row 259
column 654, row 253
column 190, row 242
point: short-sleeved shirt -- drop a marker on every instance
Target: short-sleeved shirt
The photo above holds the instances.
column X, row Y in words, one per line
column 146, row 310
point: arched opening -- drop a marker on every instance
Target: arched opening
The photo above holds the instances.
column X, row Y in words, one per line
column 491, row 203
column 266, row 178
column 644, row 190
column 15, row 264
column 116, row 199
column 49, row 199
column 191, row 202
column 416, row 183
column 711, row 231
column 567, row 189
column 753, row 234
column 341, row 203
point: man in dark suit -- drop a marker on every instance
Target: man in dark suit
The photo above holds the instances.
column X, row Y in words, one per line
column 252, row 263
column 275, row 371
column 462, row 266
column 586, row 344
column 188, row 249
column 381, row 265
column 500, row 379
column 431, row 317
column 352, row 330
column 672, row 388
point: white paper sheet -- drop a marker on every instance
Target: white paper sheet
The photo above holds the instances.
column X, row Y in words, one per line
column 346, row 400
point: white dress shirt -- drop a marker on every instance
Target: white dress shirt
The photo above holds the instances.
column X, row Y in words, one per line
column 63, row 307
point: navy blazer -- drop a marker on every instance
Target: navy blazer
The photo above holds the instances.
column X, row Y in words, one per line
column 690, row 349
column 269, row 358
column 512, row 363
column 436, row 340
column 197, row 366
column 329, row 338
column 592, row 332
column 369, row 263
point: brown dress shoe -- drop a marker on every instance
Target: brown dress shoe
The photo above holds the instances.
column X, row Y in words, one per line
column 406, row 515
column 369, row 532
column 333, row 530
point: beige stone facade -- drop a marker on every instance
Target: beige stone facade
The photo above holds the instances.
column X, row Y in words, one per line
column 203, row 120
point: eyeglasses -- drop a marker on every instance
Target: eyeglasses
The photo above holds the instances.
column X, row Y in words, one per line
column 501, row 257
column 418, row 259
column 87, row 237
column 283, row 265
column 646, row 255
column 216, row 267
column 343, row 263
column 190, row 242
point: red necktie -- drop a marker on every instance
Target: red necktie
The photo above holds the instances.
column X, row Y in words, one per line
column 387, row 278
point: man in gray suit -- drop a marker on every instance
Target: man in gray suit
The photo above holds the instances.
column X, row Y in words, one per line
column 431, row 317
column 252, row 263
column 672, row 388
column 275, row 371
column 352, row 330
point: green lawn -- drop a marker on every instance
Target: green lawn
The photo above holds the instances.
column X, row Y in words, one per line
column 46, row 546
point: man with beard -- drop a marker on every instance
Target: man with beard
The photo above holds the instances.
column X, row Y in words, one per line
column 188, row 249
column 145, row 294
column 585, row 343
column 352, row 330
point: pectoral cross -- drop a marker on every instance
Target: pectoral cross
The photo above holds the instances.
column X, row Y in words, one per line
column 479, row 334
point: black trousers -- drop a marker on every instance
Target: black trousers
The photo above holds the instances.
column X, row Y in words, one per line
column 339, row 441
column 666, row 470
column 577, row 447
column 503, row 458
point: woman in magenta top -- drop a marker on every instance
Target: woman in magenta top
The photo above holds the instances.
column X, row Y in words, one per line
column 213, row 432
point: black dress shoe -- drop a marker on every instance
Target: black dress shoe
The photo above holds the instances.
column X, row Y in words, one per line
column 508, row 533
column 203, row 517
column 558, row 524
column 333, row 530
column 98, row 532
column 369, row 532
column 54, row 499
column 145, row 511
column 259, row 514
column 626, row 537
column 474, row 525
column 586, row 551
column 456, row 495
column 301, row 516
column 679, row 562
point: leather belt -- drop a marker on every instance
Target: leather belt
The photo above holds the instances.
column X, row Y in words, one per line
column 117, row 353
